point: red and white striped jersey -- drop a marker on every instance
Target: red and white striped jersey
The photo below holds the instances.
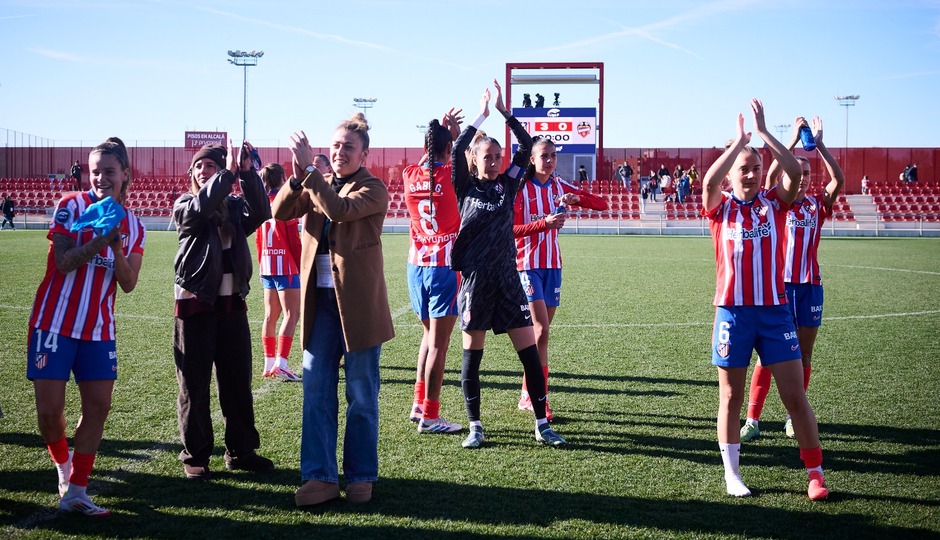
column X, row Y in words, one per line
column 433, row 226
column 80, row 304
column 537, row 247
column 278, row 246
column 804, row 225
column 749, row 239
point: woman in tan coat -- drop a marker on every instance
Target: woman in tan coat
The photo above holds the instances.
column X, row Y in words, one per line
column 345, row 310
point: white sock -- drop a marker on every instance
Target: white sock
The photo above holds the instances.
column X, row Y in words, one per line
column 751, row 421
column 539, row 422
column 730, row 456
column 77, row 491
column 476, row 423
column 268, row 363
column 282, row 362
column 817, row 469
column 64, row 470
column 735, row 487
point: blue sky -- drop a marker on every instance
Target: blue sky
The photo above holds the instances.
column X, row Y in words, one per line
column 677, row 72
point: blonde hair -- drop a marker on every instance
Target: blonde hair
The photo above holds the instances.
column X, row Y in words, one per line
column 357, row 124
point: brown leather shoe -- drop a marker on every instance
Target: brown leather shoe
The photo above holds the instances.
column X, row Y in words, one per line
column 359, row 492
column 316, row 492
column 196, row 472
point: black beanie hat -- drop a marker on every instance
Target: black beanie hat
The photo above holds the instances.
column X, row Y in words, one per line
column 215, row 152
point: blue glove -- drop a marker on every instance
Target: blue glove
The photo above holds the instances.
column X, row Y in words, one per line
column 101, row 216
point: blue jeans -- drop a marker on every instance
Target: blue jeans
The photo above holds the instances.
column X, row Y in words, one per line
column 321, row 405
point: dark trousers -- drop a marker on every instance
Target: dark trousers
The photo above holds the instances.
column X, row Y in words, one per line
column 201, row 342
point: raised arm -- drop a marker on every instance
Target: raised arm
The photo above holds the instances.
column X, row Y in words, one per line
column 774, row 171
column 452, row 120
column 837, row 177
column 789, row 187
column 711, row 183
column 369, row 198
column 520, row 160
column 256, row 198
column 460, row 170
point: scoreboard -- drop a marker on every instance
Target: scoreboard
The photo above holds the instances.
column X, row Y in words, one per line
column 572, row 129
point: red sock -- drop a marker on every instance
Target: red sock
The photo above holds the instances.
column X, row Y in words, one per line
column 419, row 392
column 81, row 468
column 760, row 386
column 432, row 408
column 284, row 343
column 811, row 457
column 545, row 372
column 269, row 344
column 59, row 450
column 806, row 371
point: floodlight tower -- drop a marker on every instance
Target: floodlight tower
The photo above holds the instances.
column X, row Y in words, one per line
column 847, row 101
column 245, row 60
column 781, row 129
column 364, row 103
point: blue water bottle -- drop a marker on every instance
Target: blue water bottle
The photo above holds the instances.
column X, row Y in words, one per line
column 561, row 208
column 806, row 137
column 256, row 160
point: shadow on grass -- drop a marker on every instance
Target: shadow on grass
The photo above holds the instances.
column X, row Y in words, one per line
column 149, row 506
column 492, row 379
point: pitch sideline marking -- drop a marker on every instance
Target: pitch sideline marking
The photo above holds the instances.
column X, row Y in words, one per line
column 927, row 272
column 405, row 309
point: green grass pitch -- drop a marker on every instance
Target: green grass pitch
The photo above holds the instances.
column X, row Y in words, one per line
column 631, row 385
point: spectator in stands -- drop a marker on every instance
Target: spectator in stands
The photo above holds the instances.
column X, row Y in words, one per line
column 668, row 188
column 213, row 270
column 801, row 273
column 866, row 185
column 582, row 175
column 72, row 322
column 538, row 253
column 626, row 175
column 748, row 228
column 9, row 212
column 684, row 188
column 76, row 174
column 663, row 172
column 653, row 186
column 432, row 285
column 644, row 194
column 693, row 177
column 344, row 312
column 912, row 174
column 278, row 248
column 905, row 174
column 678, row 173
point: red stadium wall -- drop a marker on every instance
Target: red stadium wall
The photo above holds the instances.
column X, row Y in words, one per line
column 880, row 164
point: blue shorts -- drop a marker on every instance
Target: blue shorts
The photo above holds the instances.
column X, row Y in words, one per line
column 806, row 303
column 542, row 284
column 740, row 330
column 433, row 291
column 54, row 356
column 281, row 283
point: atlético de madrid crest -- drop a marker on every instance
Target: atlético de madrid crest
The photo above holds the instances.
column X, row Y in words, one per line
column 584, row 129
